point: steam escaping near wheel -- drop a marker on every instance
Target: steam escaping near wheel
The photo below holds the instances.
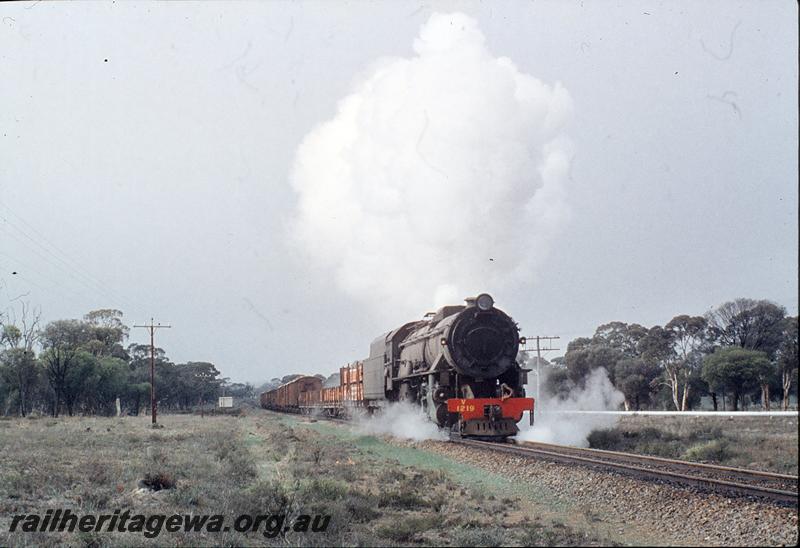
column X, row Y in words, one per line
column 401, row 420
column 436, row 175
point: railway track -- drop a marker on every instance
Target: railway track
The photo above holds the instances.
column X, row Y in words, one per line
column 722, row 479
column 782, row 488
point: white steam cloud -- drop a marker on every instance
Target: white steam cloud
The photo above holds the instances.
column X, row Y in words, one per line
column 437, row 175
column 401, row 420
column 554, row 423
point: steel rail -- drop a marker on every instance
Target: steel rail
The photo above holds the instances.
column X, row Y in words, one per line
column 743, row 474
column 569, row 457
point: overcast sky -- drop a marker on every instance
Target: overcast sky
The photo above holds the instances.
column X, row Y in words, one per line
column 148, row 155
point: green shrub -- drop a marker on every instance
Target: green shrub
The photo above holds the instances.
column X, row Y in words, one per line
column 710, row 451
column 241, row 466
column 394, row 473
column 649, row 440
column 325, row 489
column 649, row 434
column 404, row 530
column 361, row 508
column 93, row 497
column 16, row 482
column 224, row 446
column 96, row 471
column 266, row 497
column 438, row 501
column 705, row 433
column 188, row 495
column 538, row 535
column 604, row 439
column 404, row 497
column 479, row 536
column 556, row 534
column 665, row 449
column 343, row 470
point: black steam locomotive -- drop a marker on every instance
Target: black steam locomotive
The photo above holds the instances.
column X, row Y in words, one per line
column 459, row 364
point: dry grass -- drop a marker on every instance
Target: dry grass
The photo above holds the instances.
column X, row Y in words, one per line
column 257, row 464
column 761, row 443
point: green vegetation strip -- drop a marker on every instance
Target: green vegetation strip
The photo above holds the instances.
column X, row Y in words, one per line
column 473, row 477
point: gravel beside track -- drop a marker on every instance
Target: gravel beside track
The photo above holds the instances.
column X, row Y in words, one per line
column 780, row 488
column 676, row 516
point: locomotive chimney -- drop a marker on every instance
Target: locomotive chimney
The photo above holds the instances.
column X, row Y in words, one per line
column 484, row 301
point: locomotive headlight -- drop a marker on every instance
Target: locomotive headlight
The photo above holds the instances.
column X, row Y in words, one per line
column 523, row 341
column 443, row 341
column 484, row 301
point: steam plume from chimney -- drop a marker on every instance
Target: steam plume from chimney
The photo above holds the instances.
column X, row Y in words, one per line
column 440, row 175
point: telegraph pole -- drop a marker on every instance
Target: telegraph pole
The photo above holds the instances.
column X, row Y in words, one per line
column 539, row 351
column 152, row 327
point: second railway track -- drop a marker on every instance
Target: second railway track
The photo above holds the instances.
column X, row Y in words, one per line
column 780, row 488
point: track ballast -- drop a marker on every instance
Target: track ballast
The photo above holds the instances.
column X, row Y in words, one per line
column 780, row 488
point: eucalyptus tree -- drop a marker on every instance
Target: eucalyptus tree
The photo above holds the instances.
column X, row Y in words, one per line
column 736, row 369
column 62, row 341
column 788, row 359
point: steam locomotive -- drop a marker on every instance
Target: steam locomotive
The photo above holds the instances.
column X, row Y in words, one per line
column 458, row 364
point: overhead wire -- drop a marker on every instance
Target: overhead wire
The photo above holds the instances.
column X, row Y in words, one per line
column 48, row 260
column 56, row 251
column 55, row 257
column 50, row 284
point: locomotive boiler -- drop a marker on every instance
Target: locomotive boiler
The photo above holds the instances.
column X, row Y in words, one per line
column 459, row 364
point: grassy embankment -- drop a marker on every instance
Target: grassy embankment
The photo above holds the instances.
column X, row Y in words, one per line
column 375, row 493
